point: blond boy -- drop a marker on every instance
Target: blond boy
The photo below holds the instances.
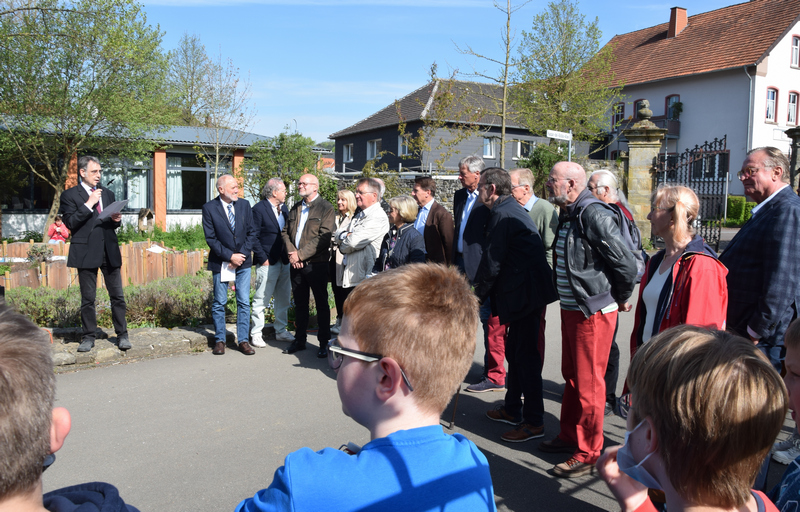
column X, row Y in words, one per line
column 406, row 343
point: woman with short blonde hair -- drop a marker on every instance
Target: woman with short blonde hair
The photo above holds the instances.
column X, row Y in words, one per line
column 403, row 244
column 346, row 208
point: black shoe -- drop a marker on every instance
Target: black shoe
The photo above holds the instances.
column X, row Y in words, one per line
column 294, row 347
column 123, row 342
column 322, row 352
column 86, row 346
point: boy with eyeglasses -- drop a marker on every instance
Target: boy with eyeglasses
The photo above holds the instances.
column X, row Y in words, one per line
column 406, row 343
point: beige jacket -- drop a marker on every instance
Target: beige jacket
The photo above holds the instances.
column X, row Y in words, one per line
column 360, row 242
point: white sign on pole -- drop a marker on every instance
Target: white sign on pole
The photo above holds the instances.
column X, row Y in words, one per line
column 559, row 135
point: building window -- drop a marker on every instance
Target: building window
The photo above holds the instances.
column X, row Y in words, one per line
column 669, row 108
column 347, row 153
column 772, row 104
column 402, row 146
column 636, row 106
column 796, row 51
column 521, row 149
column 488, row 147
column 29, row 192
column 128, row 180
column 373, row 149
column 791, row 118
column 190, row 182
column 618, row 115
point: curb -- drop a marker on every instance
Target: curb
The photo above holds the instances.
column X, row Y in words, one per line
column 146, row 343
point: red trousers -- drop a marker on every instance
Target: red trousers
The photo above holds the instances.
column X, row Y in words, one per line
column 585, row 344
column 496, row 350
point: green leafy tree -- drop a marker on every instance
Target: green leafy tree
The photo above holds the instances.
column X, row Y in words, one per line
column 79, row 76
column 565, row 86
column 189, row 69
column 542, row 158
column 286, row 156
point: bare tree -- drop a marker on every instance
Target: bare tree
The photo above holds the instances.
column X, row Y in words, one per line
column 228, row 112
column 189, row 70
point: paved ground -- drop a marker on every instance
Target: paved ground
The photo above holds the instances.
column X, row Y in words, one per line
column 201, row 432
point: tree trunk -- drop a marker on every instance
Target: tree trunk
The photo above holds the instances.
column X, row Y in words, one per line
column 51, row 215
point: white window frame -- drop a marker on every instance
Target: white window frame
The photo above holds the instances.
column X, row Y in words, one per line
column 374, row 148
column 617, row 115
column 347, row 153
column 671, row 100
column 402, row 146
column 488, row 147
column 772, row 105
column 791, row 116
column 517, row 149
column 796, row 51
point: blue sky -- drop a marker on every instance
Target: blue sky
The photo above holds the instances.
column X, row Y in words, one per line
column 327, row 64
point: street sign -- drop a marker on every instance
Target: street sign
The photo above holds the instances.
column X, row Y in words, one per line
column 559, row 135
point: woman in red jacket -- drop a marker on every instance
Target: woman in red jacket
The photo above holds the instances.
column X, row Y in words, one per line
column 58, row 232
column 684, row 283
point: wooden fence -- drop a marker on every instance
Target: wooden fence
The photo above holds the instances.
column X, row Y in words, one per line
column 139, row 266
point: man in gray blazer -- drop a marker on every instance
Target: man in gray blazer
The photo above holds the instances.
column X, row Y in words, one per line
column 307, row 236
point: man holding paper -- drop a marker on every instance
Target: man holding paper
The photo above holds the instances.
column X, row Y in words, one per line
column 94, row 245
column 230, row 235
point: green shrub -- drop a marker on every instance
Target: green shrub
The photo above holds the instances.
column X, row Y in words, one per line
column 169, row 302
column 736, row 208
column 178, row 237
column 748, row 210
column 4, row 269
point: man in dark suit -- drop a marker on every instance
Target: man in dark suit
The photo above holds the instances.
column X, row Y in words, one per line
column 272, row 263
column 230, row 235
column 763, row 259
column 514, row 272
column 470, row 217
column 94, row 245
column 307, row 236
column 434, row 222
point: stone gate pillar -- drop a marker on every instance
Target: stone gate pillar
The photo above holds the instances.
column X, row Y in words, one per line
column 644, row 145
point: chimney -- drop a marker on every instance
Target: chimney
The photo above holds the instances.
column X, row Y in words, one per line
column 677, row 21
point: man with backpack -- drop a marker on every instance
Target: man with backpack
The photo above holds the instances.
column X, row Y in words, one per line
column 603, row 185
column 594, row 273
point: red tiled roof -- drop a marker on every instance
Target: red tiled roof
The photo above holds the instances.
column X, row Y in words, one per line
column 731, row 37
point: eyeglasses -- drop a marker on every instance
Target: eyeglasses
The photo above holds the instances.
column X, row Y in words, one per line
column 336, row 355
column 654, row 208
column 553, row 180
column 592, row 189
column 517, row 186
column 361, row 193
column 304, row 183
column 748, row 172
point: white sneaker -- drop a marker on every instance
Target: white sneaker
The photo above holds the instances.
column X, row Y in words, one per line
column 284, row 336
column 786, row 444
column 256, row 341
column 788, row 455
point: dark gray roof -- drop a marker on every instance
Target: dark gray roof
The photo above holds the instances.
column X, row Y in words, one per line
column 206, row 136
column 473, row 102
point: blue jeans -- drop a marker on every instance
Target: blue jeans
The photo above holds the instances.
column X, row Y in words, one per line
column 242, row 305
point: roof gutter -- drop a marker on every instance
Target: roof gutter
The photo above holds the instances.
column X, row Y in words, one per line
column 750, row 112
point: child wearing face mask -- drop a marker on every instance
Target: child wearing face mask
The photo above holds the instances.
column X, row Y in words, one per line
column 706, row 407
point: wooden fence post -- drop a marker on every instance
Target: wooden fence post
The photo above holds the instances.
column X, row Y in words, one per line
column 8, row 279
column 43, row 273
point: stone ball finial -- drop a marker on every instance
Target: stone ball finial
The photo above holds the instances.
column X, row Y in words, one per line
column 644, row 112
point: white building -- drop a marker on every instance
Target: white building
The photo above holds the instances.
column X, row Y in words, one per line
column 733, row 72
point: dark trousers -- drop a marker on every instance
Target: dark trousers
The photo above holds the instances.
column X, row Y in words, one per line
column 312, row 278
column 612, row 369
column 525, row 369
column 339, row 295
column 87, row 278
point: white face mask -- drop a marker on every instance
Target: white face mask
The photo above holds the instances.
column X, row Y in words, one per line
column 629, row 466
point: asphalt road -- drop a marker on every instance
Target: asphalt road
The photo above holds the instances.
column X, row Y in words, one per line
column 202, row 432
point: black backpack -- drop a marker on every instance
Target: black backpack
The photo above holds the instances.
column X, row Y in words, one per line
column 630, row 235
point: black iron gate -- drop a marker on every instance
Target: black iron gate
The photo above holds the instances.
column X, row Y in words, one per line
column 704, row 169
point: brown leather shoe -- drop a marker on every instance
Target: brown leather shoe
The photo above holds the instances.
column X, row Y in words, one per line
column 219, row 348
column 246, row 349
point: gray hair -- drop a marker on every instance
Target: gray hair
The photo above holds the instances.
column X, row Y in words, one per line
column 221, row 180
column 473, row 163
column 383, row 187
column 84, row 161
column 272, row 185
column 606, row 178
column 524, row 176
column 372, row 185
column 774, row 158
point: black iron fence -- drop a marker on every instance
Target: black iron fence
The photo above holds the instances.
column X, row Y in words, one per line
column 704, row 169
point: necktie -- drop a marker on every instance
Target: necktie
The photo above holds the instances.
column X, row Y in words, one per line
column 99, row 208
column 231, row 219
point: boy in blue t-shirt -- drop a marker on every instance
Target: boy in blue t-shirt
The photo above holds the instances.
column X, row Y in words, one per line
column 406, row 343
